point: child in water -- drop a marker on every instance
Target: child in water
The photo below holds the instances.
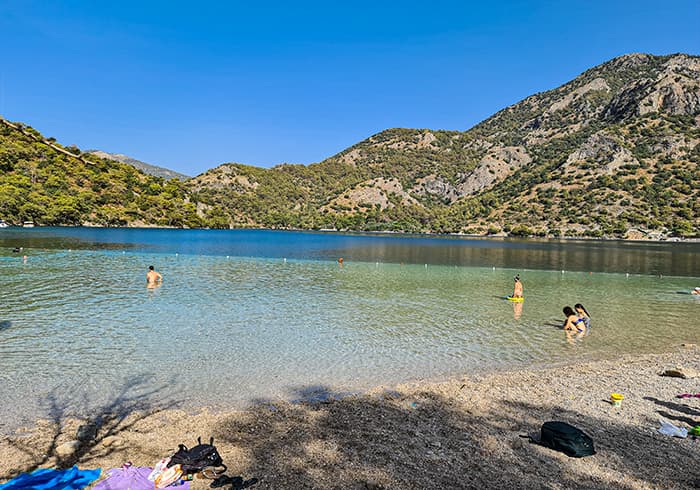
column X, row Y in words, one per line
column 573, row 322
column 582, row 313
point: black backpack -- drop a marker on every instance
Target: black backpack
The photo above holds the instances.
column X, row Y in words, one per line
column 199, row 457
column 566, row 438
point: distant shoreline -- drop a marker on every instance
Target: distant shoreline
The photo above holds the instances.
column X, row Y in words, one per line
column 387, row 233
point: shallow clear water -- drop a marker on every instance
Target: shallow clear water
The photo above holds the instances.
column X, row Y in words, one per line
column 236, row 322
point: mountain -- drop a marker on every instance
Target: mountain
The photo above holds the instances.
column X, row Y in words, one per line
column 613, row 153
column 146, row 168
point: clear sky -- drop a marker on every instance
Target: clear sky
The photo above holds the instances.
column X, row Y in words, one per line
column 191, row 85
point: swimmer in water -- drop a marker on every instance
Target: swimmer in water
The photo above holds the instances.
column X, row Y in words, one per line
column 696, row 291
column 153, row 278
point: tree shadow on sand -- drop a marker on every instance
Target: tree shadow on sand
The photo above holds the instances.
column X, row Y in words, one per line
column 677, row 411
column 427, row 440
column 132, row 403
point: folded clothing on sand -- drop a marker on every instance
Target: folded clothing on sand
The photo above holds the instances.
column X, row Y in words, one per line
column 48, row 479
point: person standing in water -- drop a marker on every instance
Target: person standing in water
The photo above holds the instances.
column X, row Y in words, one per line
column 518, row 288
column 153, row 278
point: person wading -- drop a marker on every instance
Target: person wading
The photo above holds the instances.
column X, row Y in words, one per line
column 153, row 278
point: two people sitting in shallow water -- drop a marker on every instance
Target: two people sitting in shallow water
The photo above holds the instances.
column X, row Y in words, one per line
column 577, row 321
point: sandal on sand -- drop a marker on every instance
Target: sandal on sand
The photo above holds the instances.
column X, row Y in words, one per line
column 244, row 484
column 224, row 480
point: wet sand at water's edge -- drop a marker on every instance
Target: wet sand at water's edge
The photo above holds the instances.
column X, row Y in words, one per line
column 462, row 433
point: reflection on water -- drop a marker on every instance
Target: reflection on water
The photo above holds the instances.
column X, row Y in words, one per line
column 517, row 310
column 243, row 321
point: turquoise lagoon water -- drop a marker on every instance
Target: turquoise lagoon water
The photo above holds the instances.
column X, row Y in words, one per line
column 248, row 316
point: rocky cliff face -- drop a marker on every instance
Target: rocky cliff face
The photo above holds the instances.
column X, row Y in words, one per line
column 673, row 88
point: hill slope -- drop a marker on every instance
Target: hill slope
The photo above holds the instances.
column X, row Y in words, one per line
column 46, row 183
column 614, row 152
column 146, row 168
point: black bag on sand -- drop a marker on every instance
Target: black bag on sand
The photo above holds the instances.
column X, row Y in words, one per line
column 566, row 438
column 198, row 458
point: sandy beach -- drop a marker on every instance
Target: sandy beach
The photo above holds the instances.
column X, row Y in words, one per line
column 461, row 433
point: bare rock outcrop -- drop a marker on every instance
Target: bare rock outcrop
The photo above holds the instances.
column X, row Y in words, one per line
column 435, row 186
column 597, row 84
column 495, row 166
column 351, row 157
column 372, row 193
column 676, row 90
column 603, row 149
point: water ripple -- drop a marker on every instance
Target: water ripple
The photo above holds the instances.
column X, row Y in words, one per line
column 247, row 328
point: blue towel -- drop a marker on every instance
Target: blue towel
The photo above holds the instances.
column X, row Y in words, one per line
column 46, row 479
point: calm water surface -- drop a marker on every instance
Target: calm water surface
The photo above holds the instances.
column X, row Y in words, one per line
column 245, row 316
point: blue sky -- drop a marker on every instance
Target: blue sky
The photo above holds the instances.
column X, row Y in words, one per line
column 191, row 85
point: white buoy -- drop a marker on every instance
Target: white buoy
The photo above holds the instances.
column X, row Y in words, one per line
column 494, row 267
column 426, row 266
column 285, row 260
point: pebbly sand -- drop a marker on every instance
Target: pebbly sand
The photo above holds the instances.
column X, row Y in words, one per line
column 461, row 433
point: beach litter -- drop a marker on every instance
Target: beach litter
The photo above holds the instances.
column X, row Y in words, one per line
column 688, row 395
column 668, row 429
column 616, row 399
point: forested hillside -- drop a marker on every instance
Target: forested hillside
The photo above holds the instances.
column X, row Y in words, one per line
column 41, row 182
column 613, row 153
